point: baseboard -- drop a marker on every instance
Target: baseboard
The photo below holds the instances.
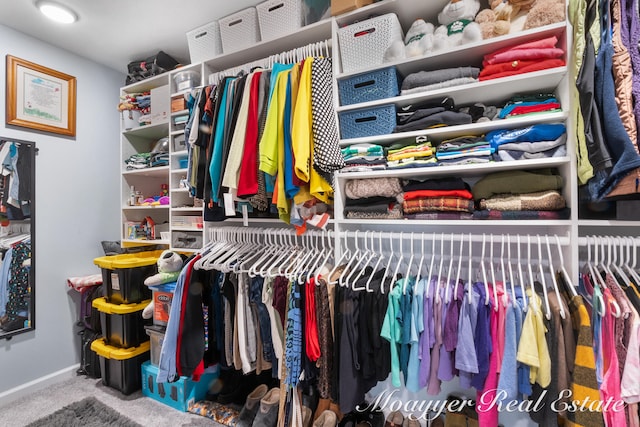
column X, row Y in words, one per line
column 29, row 388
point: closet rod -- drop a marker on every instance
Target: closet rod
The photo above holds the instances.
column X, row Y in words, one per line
column 475, row 238
column 589, row 240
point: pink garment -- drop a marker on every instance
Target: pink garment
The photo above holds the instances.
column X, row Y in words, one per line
column 610, row 387
column 525, row 54
column 487, row 411
column 433, row 387
column 78, row 283
column 545, row 43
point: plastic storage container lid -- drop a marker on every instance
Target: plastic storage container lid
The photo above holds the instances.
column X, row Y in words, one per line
column 106, row 307
column 140, row 259
column 115, row 353
column 185, row 75
column 165, row 287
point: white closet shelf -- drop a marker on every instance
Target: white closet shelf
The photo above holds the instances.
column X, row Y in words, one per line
column 183, row 170
column 147, row 84
column 180, row 153
column 308, row 34
column 157, row 130
column 186, row 209
column 457, row 170
column 178, row 113
column 448, row 132
column 174, row 228
column 472, row 52
column 160, row 171
column 177, row 132
column 607, row 223
column 191, row 251
column 488, row 92
column 144, row 208
column 179, row 190
column 146, row 242
column 465, row 222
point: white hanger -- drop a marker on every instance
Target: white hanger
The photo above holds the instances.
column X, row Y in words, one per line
column 394, row 278
column 455, row 286
column 595, row 275
column 440, row 282
column 380, row 255
column 369, row 254
column 317, row 268
column 493, row 276
column 630, row 269
column 543, row 280
column 511, row 281
column 344, row 255
column 421, row 262
column 563, row 270
column 409, row 265
column 470, row 283
column 433, row 256
column 484, row 270
column 386, row 269
column 358, row 267
column 505, row 296
column 525, row 301
column 616, row 266
column 531, row 279
column 554, row 280
column 355, row 257
column 448, row 289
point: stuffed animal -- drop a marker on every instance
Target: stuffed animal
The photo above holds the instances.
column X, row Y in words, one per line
column 417, row 42
column 495, row 21
column 457, row 24
column 169, row 267
column 545, row 12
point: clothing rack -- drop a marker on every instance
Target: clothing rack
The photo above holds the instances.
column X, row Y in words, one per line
column 320, row 48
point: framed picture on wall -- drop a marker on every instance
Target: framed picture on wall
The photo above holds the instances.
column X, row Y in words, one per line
column 40, row 98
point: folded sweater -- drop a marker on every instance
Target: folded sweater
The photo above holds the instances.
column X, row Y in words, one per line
column 425, row 78
column 540, row 201
column 516, row 182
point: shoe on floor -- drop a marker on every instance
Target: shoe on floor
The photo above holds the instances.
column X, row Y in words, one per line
column 307, row 415
column 394, row 419
column 267, row 415
column 326, row 419
column 250, row 408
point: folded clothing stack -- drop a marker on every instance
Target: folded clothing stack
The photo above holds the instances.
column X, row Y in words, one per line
column 373, row 198
column 520, row 195
column 430, row 80
column 440, row 198
column 138, row 161
column 537, row 141
column 410, row 153
column 526, row 105
column 430, row 114
column 523, row 58
column 363, row 157
column 464, row 150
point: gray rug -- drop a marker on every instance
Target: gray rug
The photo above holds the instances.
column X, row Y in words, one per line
column 88, row 412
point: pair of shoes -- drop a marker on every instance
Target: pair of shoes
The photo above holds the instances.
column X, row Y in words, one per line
column 365, row 417
column 267, row 414
column 250, row 408
column 326, row 419
column 13, row 325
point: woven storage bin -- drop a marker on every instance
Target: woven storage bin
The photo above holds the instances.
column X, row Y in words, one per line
column 379, row 84
column 367, row 122
column 362, row 45
column 279, row 18
column 239, row 30
column 204, row 42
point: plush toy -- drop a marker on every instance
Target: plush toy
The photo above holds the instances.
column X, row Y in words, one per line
column 545, row 12
column 417, row 42
column 495, row 21
column 457, row 24
column 169, row 267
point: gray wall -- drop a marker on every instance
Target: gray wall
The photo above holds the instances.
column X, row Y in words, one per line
column 77, row 194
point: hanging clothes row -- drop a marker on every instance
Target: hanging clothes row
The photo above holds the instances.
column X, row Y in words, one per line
column 609, row 285
column 266, row 140
column 499, row 312
column 606, row 69
column 15, row 281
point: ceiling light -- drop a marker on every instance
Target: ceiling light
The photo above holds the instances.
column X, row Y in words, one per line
column 57, row 12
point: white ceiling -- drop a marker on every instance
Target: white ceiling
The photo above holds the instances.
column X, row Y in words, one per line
column 116, row 32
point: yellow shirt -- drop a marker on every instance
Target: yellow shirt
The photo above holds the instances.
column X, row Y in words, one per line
column 532, row 348
column 301, row 133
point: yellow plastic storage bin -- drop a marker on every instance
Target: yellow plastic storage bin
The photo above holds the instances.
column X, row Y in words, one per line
column 120, row 367
column 122, row 324
column 123, row 275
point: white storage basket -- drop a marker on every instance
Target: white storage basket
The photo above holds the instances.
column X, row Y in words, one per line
column 279, row 18
column 362, row 45
column 239, row 30
column 204, row 42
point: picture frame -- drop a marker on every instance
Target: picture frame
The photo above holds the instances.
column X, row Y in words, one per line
column 40, row 98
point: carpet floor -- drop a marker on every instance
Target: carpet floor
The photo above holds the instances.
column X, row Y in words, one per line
column 142, row 410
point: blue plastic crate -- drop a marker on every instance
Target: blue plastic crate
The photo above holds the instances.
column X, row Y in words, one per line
column 367, row 122
column 378, row 84
column 178, row 394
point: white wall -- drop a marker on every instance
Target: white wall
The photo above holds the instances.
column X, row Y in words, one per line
column 77, row 194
